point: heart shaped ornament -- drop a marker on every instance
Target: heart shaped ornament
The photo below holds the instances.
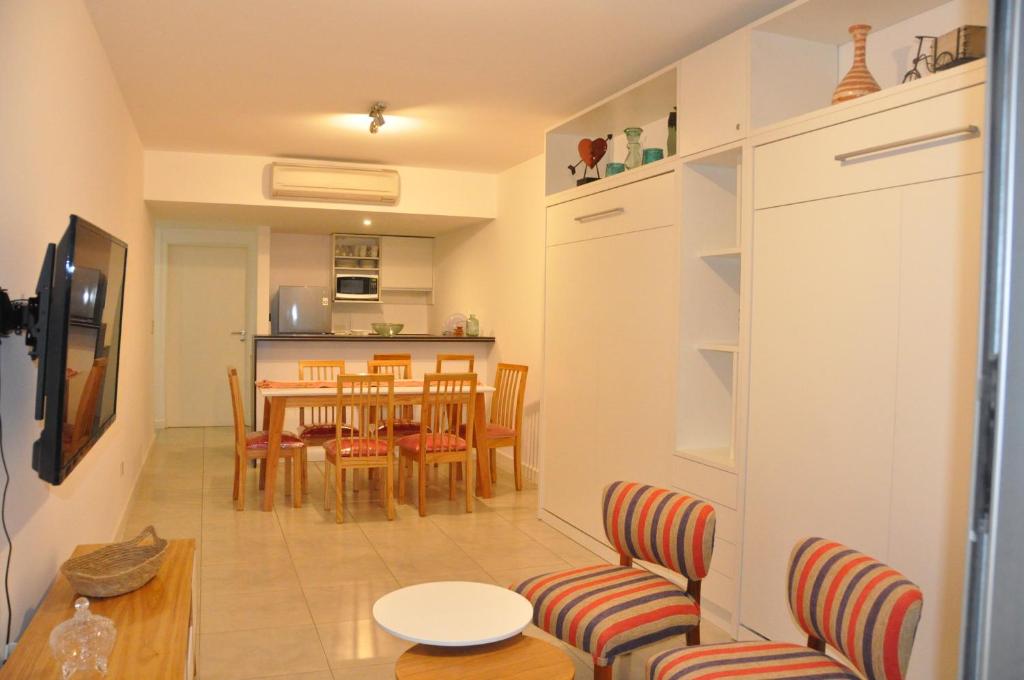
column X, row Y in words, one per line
column 592, row 150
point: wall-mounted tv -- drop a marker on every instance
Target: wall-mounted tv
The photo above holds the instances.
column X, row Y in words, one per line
column 79, row 345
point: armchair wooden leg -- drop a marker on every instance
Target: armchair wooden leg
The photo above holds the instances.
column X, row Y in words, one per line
column 389, row 490
column 469, row 483
column 602, row 672
column 693, row 636
column 238, row 469
column 296, row 464
column 339, row 495
column 327, row 484
column 287, row 474
column 305, row 471
column 263, row 473
column 451, row 480
column 494, row 465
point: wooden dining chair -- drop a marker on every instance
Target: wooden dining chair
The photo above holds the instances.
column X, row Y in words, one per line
column 404, row 421
column 865, row 610
column 505, row 426
column 624, row 608
column 467, row 359
column 74, row 435
column 253, row 446
column 317, row 423
column 370, row 401
column 448, row 400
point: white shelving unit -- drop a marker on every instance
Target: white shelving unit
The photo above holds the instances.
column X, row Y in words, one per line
column 355, row 254
column 645, row 105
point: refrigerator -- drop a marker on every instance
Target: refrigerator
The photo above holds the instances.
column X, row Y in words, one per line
column 303, row 309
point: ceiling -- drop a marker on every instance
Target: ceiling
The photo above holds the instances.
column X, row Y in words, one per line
column 470, row 84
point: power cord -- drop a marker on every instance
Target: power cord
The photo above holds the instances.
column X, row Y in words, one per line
column 3, row 523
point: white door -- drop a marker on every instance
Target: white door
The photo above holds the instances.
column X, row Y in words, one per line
column 206, row 318
column 822, row 389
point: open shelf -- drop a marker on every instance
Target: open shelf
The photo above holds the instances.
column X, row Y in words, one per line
column 718, row 457
column 645, row 105
column 800, row 53
column 719, row 252
column 718, row 347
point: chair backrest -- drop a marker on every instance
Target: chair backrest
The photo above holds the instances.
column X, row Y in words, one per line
column 237, row 412
column 863, row 608
column 509, row 395
column 660, row 526
column 367, row 401
column 468, row 359
column 317, row 369
column 88, row 403
column 405, row 356
column 400, row 368
column 449, row 399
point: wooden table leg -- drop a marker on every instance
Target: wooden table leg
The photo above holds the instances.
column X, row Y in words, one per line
column 274, row 427
column 483, row 458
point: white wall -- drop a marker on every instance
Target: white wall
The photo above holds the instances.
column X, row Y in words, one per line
column 69, row 145
column 496, row 271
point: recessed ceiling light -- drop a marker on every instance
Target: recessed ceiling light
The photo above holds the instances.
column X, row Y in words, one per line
column 367, row 222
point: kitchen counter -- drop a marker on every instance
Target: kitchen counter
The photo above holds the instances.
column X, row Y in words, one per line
column 403, row 337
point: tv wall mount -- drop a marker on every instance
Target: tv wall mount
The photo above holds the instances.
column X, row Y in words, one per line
column 30, row 316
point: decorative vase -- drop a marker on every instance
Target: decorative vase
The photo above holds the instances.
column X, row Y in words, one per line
column 858, row 81
column 634, row 152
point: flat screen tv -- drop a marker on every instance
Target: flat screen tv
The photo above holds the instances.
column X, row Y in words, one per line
column 79, row 346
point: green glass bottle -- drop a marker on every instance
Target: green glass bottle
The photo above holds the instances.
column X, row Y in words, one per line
column 472, row 326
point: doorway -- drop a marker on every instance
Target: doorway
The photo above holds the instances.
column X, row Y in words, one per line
column 205, row 331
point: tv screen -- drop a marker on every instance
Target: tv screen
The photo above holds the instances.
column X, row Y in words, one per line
column 78, row 367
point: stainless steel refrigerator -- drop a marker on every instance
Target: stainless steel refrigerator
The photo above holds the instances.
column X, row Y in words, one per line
column 303, row 309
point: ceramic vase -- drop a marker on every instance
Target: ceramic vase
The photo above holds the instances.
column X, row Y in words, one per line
column 858, row 81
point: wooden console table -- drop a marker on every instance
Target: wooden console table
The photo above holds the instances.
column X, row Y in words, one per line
column 154, row 625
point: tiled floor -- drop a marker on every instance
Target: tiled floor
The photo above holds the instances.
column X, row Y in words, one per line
column 288, row 594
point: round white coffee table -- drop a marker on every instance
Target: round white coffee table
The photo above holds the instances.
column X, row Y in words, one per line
column 453, row 613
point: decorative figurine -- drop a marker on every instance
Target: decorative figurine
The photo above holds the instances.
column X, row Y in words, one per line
column 591, row 152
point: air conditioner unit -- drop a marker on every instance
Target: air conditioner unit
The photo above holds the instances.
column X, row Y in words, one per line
column 334, row 183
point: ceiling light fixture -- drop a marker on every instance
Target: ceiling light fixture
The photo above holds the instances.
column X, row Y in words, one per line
column 377, row 114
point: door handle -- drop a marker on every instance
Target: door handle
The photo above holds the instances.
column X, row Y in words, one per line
column 599, row 215
column 971, row 130
column 241, row 333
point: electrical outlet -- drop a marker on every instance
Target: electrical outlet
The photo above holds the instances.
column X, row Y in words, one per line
column 9, row 649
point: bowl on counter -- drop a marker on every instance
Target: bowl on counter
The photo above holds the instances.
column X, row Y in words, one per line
column 387, row 329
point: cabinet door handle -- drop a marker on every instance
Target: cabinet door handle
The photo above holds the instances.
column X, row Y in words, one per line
column 971, row 130
column 600, row 215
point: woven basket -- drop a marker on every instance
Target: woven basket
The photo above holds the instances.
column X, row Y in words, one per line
column 118, row 568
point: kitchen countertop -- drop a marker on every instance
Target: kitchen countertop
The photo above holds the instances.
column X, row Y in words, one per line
column 411, row 337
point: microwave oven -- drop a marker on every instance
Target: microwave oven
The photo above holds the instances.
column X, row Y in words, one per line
column 350, row 286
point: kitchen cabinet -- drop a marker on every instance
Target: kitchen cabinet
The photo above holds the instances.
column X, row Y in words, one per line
column 713, row 94
column 863, row 348
column 407, row 263
column 610, row 348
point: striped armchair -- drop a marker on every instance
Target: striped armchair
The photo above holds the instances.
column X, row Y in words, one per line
column 608, row 610
column 839, row 597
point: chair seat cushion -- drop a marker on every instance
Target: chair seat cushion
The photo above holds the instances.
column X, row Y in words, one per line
column 402, row 427
column 321, row 430
column 494, row 431
column 606, row 610
column 356, row 447
column 746, row 660
column 435, row 442
column 258, row 440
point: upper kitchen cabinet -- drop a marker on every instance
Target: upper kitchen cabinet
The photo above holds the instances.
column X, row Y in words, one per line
column 407, row 263
column 713, row 94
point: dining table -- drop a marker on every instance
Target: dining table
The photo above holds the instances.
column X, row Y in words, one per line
column 279, row 396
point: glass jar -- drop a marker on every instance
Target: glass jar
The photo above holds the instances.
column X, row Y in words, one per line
column 83, row 643
column 634, row 152
column 473, row 326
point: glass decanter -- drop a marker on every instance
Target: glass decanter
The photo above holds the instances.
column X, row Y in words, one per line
column 83, row 642
column 472, row 326
column 634, row 152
